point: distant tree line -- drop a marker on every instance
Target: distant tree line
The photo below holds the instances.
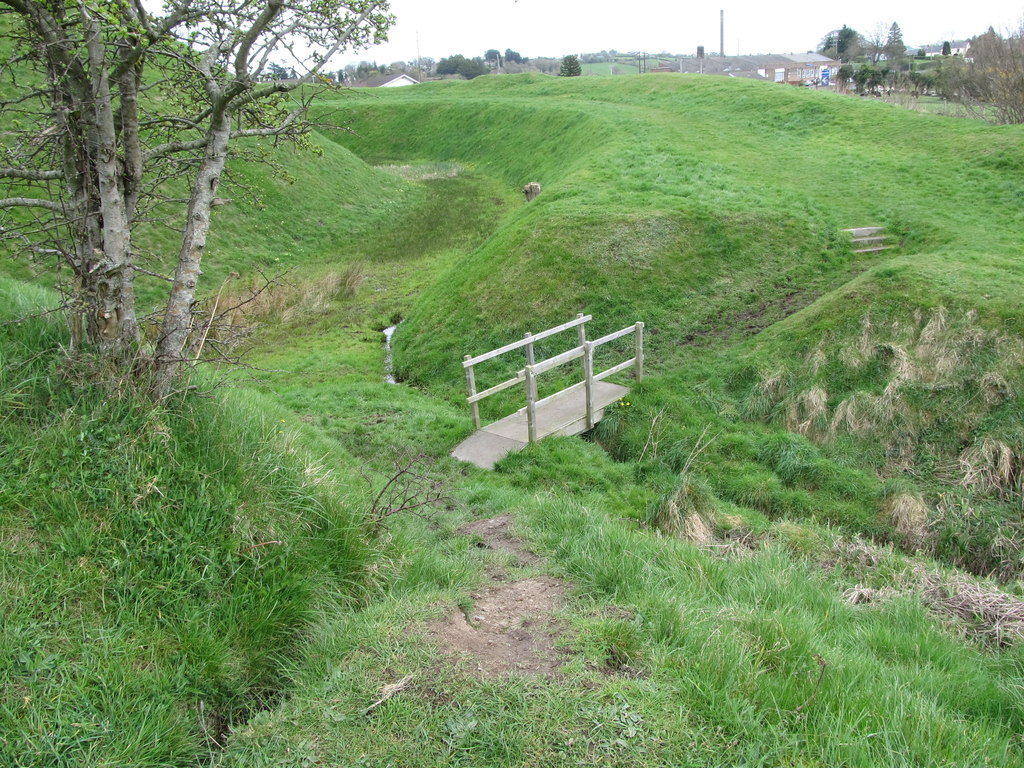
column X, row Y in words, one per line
column 848, row 45
column 988, row 81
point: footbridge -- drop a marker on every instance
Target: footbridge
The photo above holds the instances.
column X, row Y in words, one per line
column 570, row 411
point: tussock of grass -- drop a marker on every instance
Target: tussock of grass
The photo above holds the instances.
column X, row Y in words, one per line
column 687, row 510
column 908, row 515
column 987, row 612
column 993, row 466
column 287, row 301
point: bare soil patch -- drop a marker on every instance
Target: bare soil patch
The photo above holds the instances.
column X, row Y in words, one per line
column 510, row 627
column 494, row 534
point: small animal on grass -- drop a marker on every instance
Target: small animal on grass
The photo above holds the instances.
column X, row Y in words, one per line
column 531, row 190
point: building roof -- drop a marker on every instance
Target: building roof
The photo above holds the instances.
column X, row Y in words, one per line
column 808, row 58
column 402, row 79
column 387, row 81
column 752, row 66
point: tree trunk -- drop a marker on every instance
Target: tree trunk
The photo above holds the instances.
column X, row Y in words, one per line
column 177, row 324
column 109, row 284
column 102, row 301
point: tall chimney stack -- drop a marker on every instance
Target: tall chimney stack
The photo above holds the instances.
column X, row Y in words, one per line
column 721, row 41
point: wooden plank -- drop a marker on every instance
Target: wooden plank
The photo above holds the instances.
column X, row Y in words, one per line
column 557, row 360
column 571, row 388
column 582, row 338
column 496, row 388
column 588, row 383
column 614, row 336
column 471, row 384
column 638, row 351
column 553, row 416
column 523, row 342
column 615, row 369
column 531, row 405
column 485, row 449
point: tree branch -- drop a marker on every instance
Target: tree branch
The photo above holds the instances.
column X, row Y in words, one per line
column 27, row 174
column 174, row 147
column 30, row 202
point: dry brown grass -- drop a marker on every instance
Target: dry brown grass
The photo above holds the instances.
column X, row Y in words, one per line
column 981, row 610
column 988, row 612
column 908, row 514
column 854, row 414
column 696, row 529
column 283, row 301
column 992, row 466
column 686, row 512
column 932, row 350
column 995, row 389
column 424, row 171
column 808, row 412
column 859, row 595
column 770, row 390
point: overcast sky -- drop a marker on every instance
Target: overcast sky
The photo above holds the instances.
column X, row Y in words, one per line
column 440, row 28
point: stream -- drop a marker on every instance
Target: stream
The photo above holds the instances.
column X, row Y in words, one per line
column 389, row 360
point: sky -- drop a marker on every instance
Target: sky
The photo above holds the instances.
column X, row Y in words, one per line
column 440, row 28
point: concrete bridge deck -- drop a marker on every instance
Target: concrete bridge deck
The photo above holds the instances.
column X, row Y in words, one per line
column 563, row 414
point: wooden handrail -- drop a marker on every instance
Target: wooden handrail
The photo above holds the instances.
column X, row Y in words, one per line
column 615, row 369
column 530, row 339
column 613, row 336
column 529, row 374
column 497, row 388
column 557, row 360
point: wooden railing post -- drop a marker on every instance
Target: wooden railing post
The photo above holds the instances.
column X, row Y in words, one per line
column 588, row 378
column 638, row 343
column 581, row 333
column 531, row 405
column 471, row 384
column 529, row 349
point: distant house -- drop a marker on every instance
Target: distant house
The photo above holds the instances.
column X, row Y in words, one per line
column 956, row 48
column 795, row 69
column 398, row 82
column 388, row 81
column 801, row 69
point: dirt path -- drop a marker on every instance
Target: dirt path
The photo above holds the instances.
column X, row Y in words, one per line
column 511, row 627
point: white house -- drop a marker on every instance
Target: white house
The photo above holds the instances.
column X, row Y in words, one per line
column 399, row 81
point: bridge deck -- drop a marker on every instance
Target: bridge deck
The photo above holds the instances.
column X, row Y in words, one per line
column 564, row 414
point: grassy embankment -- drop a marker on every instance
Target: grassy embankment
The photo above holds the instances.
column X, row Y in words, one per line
column 711, row 211
column 160, row 567
column 697, row 207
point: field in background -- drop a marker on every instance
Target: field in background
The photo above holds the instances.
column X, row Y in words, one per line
column 761, row 551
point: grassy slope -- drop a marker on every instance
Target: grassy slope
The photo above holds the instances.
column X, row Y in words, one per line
column 711, row 209
column 725, row 647
column 159, row 567
column 663, row 188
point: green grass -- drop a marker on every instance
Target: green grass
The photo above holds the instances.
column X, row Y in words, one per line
column 724, row 656
column 711, row 210
column 148, row 617
column 159, row 565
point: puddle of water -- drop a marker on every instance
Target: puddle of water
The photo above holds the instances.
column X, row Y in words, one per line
column 389, row 360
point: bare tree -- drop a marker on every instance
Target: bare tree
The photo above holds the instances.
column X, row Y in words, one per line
column 874, row 41
column 115, row 102
column 990, row 81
